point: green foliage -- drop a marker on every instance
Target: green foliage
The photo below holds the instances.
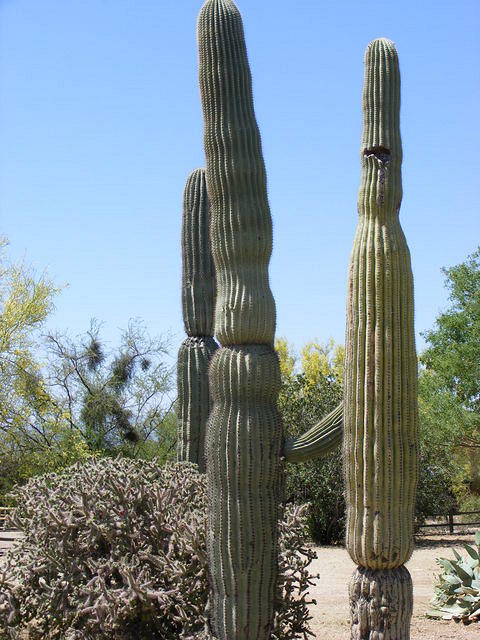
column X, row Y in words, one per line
column 162, row 444
column 286, row 357
column 449, row 383
column 116, row 549
column 302, row 404
column 114, row 399
column 435, row 495
column 454, row 344
column 317, row 360
column 33, row 428
column 444, row 422
column 323, row 359
column 457, row 594
column 25, row 302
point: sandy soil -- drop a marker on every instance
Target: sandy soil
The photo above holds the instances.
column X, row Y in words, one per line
column 331, row 614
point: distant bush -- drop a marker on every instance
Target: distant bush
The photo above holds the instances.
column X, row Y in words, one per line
column 116, row 549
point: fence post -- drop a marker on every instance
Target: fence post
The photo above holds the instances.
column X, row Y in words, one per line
column 450, row 520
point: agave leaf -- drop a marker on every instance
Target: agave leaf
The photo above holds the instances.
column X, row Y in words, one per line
column 465, row 573
column 434, row 613
column 454, row 610
column 471, row 551
column 451, row 578
column 456, row 554
column 447, row 565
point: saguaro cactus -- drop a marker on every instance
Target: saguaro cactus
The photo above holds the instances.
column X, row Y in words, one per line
column 244, row 433
column 198, row 299
column 380, row 398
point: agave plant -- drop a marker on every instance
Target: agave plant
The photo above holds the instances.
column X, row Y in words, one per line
column 457, row 594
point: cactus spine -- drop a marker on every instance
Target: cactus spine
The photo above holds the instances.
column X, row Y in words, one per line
column 244, row 432
column 198, row 299
column 380, row 398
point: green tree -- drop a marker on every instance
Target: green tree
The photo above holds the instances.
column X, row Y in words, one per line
column 25, row 302
column 77, row 400
column 116, row 400
column 31, row 423
column 454, row 343
column 323, row 359
column 449, row 382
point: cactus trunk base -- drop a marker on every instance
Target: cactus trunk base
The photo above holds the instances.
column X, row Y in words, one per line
column 381, row 604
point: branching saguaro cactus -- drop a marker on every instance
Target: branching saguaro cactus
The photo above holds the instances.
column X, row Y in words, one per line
column 244, row 433
column 198, row 300
column 195, row 353
column 380, row 397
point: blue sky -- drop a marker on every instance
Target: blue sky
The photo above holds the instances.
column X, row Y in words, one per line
column 100, row 123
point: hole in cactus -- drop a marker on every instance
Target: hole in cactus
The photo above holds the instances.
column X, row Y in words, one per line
column 382, row 154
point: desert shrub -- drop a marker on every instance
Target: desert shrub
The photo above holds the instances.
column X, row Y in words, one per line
column 116, row 549
column 457, row 594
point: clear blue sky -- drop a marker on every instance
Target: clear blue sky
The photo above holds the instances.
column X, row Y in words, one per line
column 100, row 123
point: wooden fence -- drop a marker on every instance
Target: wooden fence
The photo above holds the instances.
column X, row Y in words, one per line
column 451, row 523
column 4, row 512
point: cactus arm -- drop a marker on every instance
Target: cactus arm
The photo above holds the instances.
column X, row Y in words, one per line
column 318, row 441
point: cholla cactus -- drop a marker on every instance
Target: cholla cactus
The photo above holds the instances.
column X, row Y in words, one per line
column 116, row 549
column 198, row 299
column 380, row 401
column 244, row 434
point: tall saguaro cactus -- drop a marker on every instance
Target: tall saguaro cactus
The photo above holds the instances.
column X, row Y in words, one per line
column 198, row 299
column 244, row 433
column 380, row 397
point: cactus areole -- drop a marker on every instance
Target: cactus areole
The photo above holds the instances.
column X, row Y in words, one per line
column 244, row 431
column 380, row 398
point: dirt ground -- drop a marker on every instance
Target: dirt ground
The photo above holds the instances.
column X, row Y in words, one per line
column 331, row 614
